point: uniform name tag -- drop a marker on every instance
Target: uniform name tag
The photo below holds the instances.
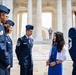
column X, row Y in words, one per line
column 24, row 43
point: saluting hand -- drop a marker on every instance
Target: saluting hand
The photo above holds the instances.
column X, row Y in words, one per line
column 8, row 67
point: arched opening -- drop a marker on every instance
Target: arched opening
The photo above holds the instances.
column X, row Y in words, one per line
column 47, row 20
column 46, row 24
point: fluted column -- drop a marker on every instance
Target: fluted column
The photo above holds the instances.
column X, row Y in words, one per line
column 20, row 24
column 14, row 36
column 68, row 18
column 29, row 14
column 0, row 1
column 59, row 15
column 39, row 21
column 53, row 21
column 73, row 19
column 68, row 14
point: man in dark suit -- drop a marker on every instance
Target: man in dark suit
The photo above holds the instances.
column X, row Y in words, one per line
column 4, row 59
column 24, row 52
column 72, row 46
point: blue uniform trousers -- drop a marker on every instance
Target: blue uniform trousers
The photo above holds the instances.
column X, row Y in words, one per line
column 7, row 72
column 74, row 69
column 2, row 71
column 26, row 70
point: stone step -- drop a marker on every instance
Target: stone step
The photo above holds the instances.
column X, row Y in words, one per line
column 45, row 41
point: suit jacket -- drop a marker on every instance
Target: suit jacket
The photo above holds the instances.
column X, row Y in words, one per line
column 24, row 50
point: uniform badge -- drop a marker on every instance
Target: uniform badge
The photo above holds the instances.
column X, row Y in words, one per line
column 18, row 43
column 1, row 32
column 69, row 43
column 9, row 42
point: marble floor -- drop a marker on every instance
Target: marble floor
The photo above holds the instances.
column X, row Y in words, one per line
column 40, row 55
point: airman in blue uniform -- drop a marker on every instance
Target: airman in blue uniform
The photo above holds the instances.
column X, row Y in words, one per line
column 4, row 58
column 9, row 45
column 24, row 52
column 72, row 47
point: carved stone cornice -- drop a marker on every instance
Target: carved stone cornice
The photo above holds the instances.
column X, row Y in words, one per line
column 48, row 4
column 16, row 5
column 74, row 3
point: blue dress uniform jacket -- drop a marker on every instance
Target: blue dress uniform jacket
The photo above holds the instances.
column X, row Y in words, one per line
column 24, row 55
column 4, row 59
column 9, row 47
column 72, row 43
column 10, row 52
column 72, row 47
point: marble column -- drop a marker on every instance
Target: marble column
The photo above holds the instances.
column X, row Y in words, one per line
column 68, row 14
column 14, row 36
column 74, row 19
column 39, row 21
column 53, row 21
column 1, row 1
column 9, row 4
column 68, row 18
column 29, row 14
column 34, row 20
column 59, row 16
column 20, row 23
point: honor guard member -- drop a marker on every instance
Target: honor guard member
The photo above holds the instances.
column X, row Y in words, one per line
column 9, row 45
column 4, row 59
column 24, row 52
column 72, row 47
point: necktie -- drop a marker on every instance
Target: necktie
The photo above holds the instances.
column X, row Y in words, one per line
column 29, row 40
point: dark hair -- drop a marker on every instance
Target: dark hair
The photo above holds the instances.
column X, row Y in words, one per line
column 6, row 27
column 59, row 41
